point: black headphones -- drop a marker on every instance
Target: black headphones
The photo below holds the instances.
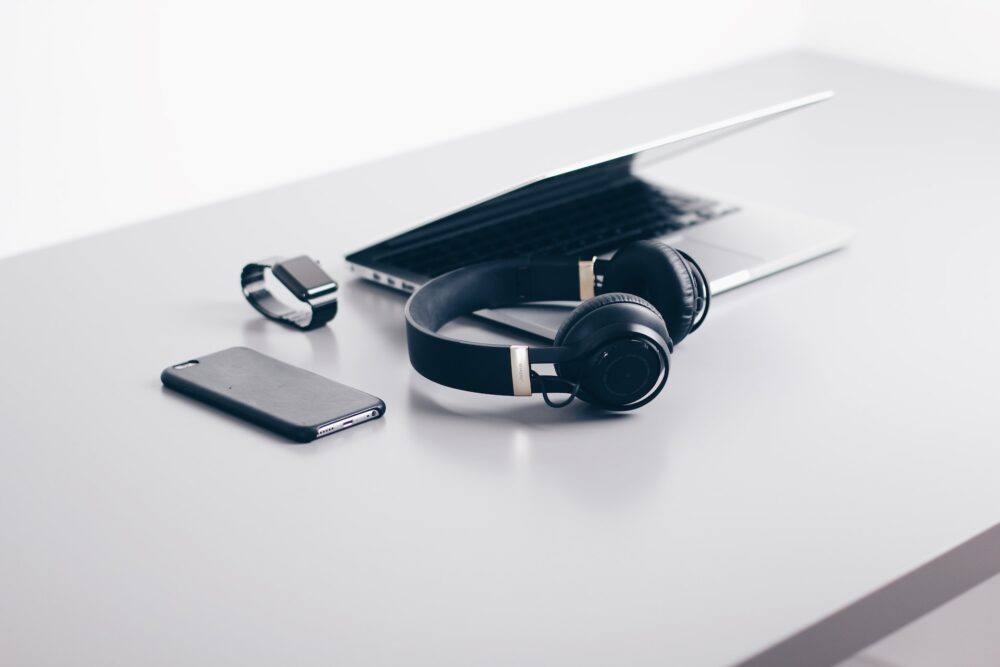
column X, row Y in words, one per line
column 613, row 350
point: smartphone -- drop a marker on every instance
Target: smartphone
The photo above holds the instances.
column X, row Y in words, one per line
column 288, row 400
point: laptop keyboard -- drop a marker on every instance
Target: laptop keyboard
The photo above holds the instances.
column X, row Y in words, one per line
column 583, row 226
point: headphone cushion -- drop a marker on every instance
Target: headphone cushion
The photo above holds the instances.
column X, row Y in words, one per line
column 659, row 274
column 636, row 361
column 590, row 305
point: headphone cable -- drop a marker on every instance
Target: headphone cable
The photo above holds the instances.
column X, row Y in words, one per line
column 545, row 392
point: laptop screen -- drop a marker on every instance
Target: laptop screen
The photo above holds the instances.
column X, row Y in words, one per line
column 578, row 210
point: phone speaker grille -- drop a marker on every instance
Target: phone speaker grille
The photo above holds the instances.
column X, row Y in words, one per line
column 346, row 422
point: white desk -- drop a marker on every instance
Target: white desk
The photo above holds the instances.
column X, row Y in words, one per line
column 828, row 431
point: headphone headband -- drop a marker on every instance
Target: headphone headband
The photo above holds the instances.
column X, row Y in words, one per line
column 482, row 367
column 612, row 351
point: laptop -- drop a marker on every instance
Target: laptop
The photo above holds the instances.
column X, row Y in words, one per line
column 592, row 208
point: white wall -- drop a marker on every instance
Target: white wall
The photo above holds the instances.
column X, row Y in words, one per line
column 112, row 112
column 957, row 40
column 116, row 111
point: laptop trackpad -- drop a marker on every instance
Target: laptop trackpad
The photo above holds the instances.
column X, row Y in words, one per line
column 717, row 262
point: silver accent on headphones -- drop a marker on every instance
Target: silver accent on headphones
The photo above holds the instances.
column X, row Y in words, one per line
column 587, row 279
column 520, row 370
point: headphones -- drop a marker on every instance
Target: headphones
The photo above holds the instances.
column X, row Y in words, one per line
column 613, row 350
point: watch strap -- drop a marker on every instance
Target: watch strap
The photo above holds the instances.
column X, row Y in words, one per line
column 308, row 313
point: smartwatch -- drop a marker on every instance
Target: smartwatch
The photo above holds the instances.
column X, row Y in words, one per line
column 303, row 277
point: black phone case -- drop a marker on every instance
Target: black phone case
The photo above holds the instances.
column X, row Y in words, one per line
column 285, row 399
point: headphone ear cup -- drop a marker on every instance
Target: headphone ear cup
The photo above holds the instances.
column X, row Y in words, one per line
column 567, row 334
column 594, row 314
column 615, row 373
column 658, row 273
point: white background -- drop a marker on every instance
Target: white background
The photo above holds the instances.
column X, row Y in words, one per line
column 112, row 112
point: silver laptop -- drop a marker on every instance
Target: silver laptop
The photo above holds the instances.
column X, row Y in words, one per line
column 593, row 208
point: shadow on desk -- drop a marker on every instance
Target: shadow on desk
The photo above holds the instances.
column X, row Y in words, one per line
column 533, row 415
column 321, row 343
column 576, row 450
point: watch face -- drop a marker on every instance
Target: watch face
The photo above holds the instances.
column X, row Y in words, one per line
column 303, row 277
